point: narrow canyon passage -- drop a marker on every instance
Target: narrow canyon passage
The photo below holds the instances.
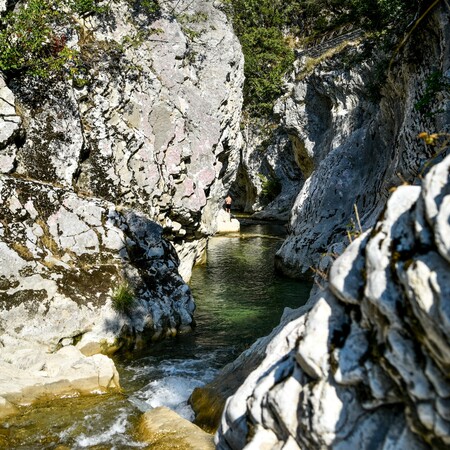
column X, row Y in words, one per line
column 239, row 298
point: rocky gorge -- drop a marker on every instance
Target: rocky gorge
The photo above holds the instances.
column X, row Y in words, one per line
column 111, row 183
column 97, row 172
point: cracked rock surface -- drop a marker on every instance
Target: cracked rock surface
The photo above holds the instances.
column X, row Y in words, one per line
column 141, row 144
column 366, row 363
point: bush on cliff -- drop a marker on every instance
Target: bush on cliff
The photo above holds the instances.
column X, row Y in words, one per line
column 33, row 37
column 267, row 29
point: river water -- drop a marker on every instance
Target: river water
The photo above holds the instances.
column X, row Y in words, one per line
column 239, row 298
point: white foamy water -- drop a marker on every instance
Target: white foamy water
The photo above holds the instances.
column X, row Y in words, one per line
column 114, row 433
column 173, row 384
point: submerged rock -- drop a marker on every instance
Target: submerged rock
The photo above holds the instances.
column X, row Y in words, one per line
column 365, row 365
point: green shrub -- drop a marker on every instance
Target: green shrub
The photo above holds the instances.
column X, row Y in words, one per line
column 150, row 7
column 270, row 187
column 29, row 42
column 33, row 37
column 123, row 299
column 265, row 29
column 436, row 83
column 86, row 7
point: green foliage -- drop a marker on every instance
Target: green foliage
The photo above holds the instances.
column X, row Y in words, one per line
column 150, row 7
column 267, row 59
column 434, row 84
column 270, row 187
column 29, row 40
column 123, row 299
column 258, row 25
column 33, row 37
column 86, row 7
column 264, row 28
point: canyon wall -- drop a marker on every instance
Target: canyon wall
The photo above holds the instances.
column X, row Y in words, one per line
column 354, row 133
column 99, row 171
column 364, row 364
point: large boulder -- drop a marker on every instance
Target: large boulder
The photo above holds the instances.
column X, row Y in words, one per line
column 163, row 428
column 69, row 263
column 29, row 374
column 366, row 364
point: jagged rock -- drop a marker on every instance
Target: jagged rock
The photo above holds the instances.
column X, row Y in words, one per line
column 366, row 363
column 64, row 257
column 9, row 127
column 163, row 428
column 354, row 146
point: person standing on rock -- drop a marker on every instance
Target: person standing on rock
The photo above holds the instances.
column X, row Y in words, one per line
column 228, row 201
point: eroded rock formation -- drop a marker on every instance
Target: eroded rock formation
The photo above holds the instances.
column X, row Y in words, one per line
column 98, row 172
column 366, row 363
column 354, row 135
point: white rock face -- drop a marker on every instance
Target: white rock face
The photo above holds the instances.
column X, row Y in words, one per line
column 353, row 147
column 64, row 257
column 366, row 363
column 29, row 373
column 157, row 120
column 227, row 224
column 143, row 141
column 9, row 126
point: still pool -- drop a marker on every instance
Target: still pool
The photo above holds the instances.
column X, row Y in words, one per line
column 239, row 298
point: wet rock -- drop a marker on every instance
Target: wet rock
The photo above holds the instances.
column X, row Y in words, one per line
column 29, row 373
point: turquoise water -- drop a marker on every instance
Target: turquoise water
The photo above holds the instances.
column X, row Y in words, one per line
column 239, row 298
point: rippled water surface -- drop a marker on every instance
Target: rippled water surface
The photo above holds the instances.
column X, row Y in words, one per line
column 239, row 298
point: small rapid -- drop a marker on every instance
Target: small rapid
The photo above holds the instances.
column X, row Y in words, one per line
column 239, row 298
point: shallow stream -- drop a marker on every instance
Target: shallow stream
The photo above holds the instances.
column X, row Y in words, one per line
column 239, row 298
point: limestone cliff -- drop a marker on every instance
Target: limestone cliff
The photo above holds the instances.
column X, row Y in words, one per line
column 99, row 170
column 354, row 133
column 365, row 363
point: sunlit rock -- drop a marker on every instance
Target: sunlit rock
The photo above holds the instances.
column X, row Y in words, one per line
column 365, row 364
column 163, row 428
column 29, row 373
column 226, row 223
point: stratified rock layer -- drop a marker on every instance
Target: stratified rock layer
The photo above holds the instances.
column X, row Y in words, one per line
column 366, row 365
